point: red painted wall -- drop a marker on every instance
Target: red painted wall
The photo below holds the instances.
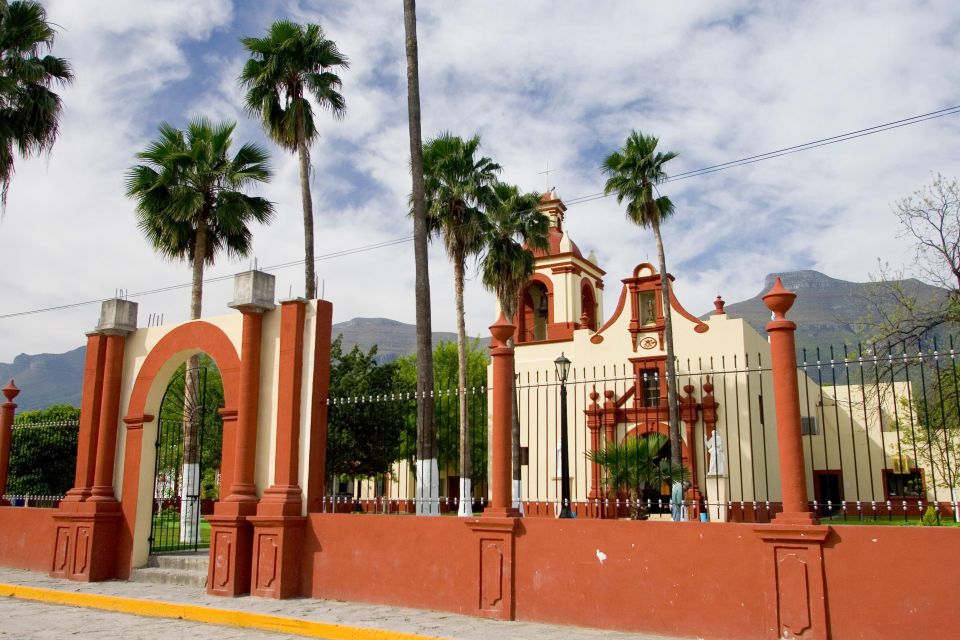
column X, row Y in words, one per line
column 424, row 562
column 686, row 580
column 682, row 579
column 893, row 582
column 26, row 538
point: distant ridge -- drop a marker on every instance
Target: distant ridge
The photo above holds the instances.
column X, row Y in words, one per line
column 57, row 378
column 828, row 311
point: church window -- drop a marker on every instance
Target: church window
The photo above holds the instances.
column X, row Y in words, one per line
column 536, row 312
column 588, row 306
column 648, row 308
column 650, row 386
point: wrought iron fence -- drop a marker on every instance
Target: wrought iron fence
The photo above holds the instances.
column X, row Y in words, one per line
column 371, row 451
column 880, row 431
column 43, row 460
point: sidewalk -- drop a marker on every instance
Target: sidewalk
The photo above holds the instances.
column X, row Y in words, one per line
column 299, row 617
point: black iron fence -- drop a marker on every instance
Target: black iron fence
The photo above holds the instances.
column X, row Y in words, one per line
column 43, row 460
column 880, row 431
column 371, row 455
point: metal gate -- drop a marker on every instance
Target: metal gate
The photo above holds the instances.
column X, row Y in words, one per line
column 187, row 469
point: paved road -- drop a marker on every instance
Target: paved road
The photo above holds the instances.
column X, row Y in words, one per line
column 24, row 620
column 20, row 618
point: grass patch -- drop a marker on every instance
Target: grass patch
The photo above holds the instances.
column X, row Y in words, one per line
column 165, row 534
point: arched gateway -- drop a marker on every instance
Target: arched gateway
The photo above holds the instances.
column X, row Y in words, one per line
column 274, row 367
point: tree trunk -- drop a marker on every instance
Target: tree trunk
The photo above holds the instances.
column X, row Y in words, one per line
column 428, row 475
column 675, row 442
column 307, row 199
column 190, row 487
column 466, row 499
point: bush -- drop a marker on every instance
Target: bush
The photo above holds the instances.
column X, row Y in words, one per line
column 930, row 518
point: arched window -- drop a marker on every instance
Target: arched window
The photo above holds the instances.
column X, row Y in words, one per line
column 588, row 305
column 535, row 313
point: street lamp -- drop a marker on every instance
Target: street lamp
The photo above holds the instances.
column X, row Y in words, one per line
column 563, row 368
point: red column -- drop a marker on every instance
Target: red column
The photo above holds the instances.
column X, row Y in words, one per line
column 6, row 434
column 317, row 454
column 231, row 536
column 109, row 416
column 278, row 525
column 243, row 488
column 89, row 418
column 501, row 489
column 783, row 359
column 290, row 380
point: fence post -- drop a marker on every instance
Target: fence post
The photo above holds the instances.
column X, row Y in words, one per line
column 794, row 567
column 786, row 394
column 6, row 435
column 494, row 584
column 501, row 356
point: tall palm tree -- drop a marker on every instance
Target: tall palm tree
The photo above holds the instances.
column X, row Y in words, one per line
column 514, row 226
column 191, row 206
column 459, row 187
column 29, row 110
column 428, row 475
column 289, row 64
column 634, row 171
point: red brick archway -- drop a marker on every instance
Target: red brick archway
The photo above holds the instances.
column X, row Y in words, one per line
column 176, row 346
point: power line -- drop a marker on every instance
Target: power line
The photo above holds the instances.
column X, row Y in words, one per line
column 760, row 157
column 813, row 144
column 137, row 294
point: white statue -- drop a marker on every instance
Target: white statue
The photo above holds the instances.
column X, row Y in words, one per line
column 718, row 456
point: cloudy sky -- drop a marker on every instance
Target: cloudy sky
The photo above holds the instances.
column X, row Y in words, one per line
column 542, row 82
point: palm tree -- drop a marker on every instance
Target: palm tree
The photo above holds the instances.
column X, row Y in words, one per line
column 514, row 226
column 634, row 172
column 286, row 66
column 191, row 206
column 459, row 186
column 427, row 485
column 635, row 465
column 29, row 110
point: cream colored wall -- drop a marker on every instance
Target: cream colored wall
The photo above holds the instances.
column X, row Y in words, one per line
column 566, row 286
column 740, row 381
column 306, row 395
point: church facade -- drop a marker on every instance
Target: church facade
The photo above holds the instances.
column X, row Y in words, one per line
column 617, row 388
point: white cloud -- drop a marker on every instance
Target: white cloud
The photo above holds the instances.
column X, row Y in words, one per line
column 562, row 82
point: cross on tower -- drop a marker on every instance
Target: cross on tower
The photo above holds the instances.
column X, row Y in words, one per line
column 547, row 173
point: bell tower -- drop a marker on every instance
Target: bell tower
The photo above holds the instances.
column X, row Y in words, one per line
column 565, row 292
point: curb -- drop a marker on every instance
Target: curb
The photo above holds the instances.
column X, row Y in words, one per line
column 209, row 615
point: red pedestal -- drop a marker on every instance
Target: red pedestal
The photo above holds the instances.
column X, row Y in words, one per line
column 494, row 559
column 277, row 545
column 86, row 541
column 231, row 548
column 795, row 570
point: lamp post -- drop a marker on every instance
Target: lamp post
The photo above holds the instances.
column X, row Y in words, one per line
column 563, row 368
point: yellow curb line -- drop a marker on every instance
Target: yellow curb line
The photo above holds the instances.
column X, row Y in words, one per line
column 197, row 613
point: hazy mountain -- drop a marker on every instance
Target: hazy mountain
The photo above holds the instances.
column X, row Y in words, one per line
column 46, row 378
column 393, row 339
column 827, row 311
column 57, row 378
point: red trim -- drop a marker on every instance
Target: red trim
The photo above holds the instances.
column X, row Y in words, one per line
column 699, row 325
column 597, row 338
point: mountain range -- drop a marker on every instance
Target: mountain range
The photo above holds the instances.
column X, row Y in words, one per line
column 827, row 311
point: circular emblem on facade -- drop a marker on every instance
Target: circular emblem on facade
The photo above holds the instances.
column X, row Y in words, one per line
column 648, row 343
